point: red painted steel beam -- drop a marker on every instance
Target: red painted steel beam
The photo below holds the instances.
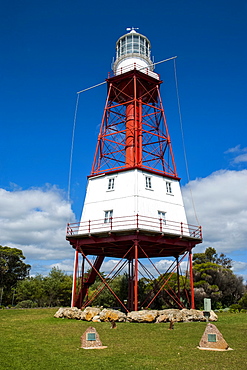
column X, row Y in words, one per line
column 73, row 298
column 103, row 280
column 191, row 281
column 136, row 277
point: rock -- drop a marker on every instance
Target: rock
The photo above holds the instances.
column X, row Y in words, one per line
column 213, row 316
column 68, row 313
column 184, row 315
column 142, row 316
column 212, row 339
column 96, row 315
column 89, row 313
column 169, row 315
column 96, row 318
column 59, row 313
column 192, row 315
column 90, row 339
column 112, row 315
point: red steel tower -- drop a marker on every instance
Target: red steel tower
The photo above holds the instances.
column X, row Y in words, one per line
column 133, row 210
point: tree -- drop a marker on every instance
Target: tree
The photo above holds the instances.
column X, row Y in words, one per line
column 57, row 286
column 243, row 302
column 213, row 278
column 43, row 291
column 119, row 285
column 12, row 270
column 32, row 289
column 210, row 255
column 168, row 286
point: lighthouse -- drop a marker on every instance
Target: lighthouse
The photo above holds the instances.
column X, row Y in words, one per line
column 133, row 208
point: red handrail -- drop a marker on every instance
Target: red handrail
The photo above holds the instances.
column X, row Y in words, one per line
column 134, row 222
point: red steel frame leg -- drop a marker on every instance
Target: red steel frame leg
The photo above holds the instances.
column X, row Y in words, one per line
column 178, row 281
column 191, row 282
column 130, row 285
column 136, row 278
column 73, row 298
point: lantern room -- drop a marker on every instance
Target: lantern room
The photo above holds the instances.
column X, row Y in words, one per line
column 133, row 51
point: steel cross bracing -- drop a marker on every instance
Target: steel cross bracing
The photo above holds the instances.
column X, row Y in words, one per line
column 136, row 269
column 133, row 132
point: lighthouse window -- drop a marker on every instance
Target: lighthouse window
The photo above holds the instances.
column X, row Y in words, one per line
column 135, row 48
column 133, row 44
column 162, row 216
column 169, row 187
column 111, row 183
column 136, row 43
column 129, row 48
column 148, row 182
column 108, row 216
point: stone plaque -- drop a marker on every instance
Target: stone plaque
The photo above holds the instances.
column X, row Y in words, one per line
column 90, row 339
column 213, row 340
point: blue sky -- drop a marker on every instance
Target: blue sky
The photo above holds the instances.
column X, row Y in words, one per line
column 51, row 50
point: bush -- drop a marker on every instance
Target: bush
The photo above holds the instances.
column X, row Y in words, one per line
column 243, row 301
column 235, row 308
column 26, row 304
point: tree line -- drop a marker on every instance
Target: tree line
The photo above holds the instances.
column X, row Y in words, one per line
column 213, row 278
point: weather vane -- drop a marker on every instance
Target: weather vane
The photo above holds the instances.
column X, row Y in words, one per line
column 132, row 28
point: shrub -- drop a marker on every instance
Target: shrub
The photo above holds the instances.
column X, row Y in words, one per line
column 26, row 304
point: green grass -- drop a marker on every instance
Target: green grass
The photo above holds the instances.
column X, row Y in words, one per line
column 33, row 339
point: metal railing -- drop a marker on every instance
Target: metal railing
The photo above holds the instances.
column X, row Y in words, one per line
column 132, row 66
column 135, row 222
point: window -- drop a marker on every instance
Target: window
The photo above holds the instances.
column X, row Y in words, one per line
column 162, row 216
column 148, row 182
column 169, row 187
column 108, row 216
column 133, row 44
column 111, row 184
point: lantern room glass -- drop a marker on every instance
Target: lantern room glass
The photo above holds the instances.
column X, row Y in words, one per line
column 133, row 44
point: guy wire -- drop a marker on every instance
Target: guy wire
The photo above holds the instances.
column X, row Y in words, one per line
column 183, row 142
column 72, row 146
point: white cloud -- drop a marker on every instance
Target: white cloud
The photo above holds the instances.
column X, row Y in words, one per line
column 220, row 200
column 235, row 149
column 240, row 158
column 163, row 265
column 65, row 265
column 240, row 268
column 34, row 221
column 239, row 155
column 108, row 265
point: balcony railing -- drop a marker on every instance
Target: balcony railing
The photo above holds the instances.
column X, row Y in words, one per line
column 131, row 223
column 132, row 66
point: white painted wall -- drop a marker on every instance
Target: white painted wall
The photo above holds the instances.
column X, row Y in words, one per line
column 128, row 64
column 130, row 197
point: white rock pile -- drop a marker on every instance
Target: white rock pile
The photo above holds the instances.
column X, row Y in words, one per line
column 96, row 314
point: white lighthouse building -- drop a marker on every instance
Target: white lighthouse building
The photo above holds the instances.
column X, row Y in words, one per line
column 116, row 196
column 133, row 206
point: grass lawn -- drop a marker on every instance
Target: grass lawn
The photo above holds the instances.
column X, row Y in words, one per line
column 34, row 339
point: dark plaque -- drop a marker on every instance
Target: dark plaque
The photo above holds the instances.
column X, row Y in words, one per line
column 91, row 336
column 211, row 337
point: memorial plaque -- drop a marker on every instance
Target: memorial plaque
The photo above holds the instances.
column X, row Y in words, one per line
column 91, row 336
column 207, row 304
column 213, row 340
column 211, row 337
column 90, row 339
